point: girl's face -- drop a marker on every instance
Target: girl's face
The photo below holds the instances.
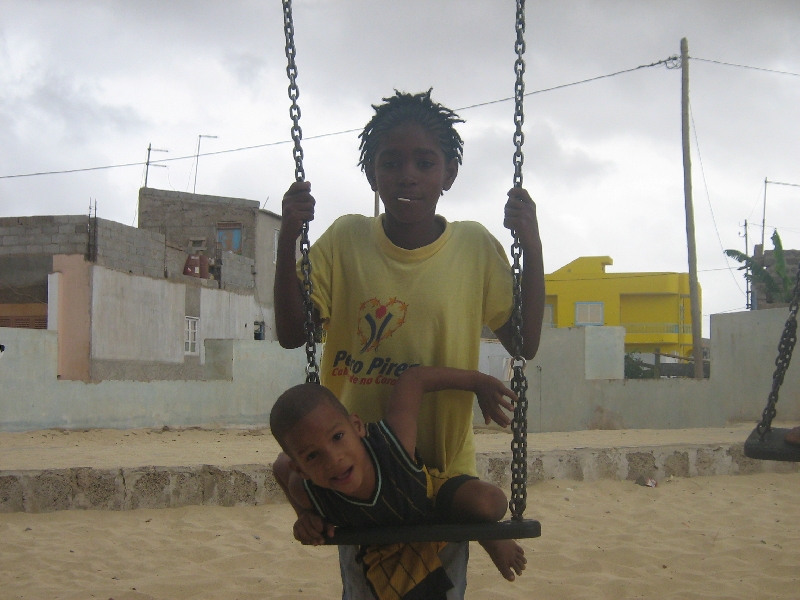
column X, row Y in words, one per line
column 410, row 172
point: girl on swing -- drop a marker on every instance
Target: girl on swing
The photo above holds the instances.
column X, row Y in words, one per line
column 408, row 288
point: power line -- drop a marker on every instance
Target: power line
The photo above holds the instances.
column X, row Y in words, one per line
column 668, row 62
column 171, row 159
column 708, row 198
column 719, row 62
column 671, row 63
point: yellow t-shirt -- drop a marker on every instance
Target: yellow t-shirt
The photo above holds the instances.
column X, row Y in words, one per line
column 386, row 309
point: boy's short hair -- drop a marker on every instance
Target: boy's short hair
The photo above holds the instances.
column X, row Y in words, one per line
column 295, row 403
column 411, row 108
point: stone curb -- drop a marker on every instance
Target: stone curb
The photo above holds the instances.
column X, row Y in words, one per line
column 249, row 485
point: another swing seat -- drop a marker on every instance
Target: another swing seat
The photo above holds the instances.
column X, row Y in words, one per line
column 772, row 447
column 436, row 532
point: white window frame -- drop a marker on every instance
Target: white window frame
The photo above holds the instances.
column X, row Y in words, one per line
column 190, row 336
column 275, row 247
column 585, row 314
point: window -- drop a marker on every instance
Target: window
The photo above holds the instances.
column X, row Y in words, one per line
column 588, row 313
column 275, row 246
column 190, row 336
column 229, row 237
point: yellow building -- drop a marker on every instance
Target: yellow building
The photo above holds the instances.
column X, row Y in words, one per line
column 654, row 308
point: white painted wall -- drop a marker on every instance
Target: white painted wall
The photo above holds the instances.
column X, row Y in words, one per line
column 239, row 312
column 32, row 397
column 603, row 348
column 136, row 318
column 560, row 397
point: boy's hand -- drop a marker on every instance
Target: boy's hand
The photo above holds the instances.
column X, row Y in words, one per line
column 520, row 215
column 492, row 396
column 298, row 206
column 310, row 529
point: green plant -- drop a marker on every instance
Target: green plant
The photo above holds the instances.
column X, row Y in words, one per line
column 636, row 368
column 778, row 287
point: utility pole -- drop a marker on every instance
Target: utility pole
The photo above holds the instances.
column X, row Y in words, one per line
column 694, row 292
column 748, row 291
column 764, row 215
column 147, row 163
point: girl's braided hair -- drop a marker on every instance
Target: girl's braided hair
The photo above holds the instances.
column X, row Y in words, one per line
column 416, row 108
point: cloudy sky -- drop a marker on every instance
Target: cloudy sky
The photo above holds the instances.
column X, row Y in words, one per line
column 90, row 84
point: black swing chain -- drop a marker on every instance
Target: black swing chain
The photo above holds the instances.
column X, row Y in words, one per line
column 785, row 348
column 312, row 369
column 519, row 384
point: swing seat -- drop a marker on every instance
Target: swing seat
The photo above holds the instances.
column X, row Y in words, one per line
column 435, row 532
column 772, row 447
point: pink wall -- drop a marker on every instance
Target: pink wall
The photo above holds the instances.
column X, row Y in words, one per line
column 74, row 316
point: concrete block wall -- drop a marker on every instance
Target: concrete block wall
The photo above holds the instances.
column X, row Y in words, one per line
column 181, row 216
column 767, row 259
column 52, row 234
column 237, row 271
column 129, row 249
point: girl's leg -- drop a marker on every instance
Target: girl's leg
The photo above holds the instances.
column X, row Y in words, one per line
column 478, row 501
column 793, row 437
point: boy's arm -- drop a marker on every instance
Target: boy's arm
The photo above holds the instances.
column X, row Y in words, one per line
column 290, row 317
column 520, row 215
column 402, row 410
column 309, row 527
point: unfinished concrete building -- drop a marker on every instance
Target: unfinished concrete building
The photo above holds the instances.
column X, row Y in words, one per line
column 128, row 303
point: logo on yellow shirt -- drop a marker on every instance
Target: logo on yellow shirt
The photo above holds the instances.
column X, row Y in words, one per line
column 378, row 321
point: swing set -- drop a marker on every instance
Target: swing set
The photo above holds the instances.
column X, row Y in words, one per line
column 764, row 443
column 518, row 527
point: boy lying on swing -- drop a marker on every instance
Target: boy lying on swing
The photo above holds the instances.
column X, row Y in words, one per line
column 347, row 473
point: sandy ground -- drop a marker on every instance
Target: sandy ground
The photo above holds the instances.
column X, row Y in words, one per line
column 111, row 448
column 704, row 537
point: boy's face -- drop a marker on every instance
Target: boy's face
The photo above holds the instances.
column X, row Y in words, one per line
column 325, row 446
column 409, row 163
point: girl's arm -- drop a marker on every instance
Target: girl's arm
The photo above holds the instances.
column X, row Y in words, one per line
column 520, row 215
column 402, row 410
column 290, row 317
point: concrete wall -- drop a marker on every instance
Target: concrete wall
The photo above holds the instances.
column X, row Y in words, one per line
column 240, row 313
column 53, row 234
column 25, row 278
column 266, row 224
column 128, row 249
column 33, row 398
column 136, row 318
column 251, row 374
column 767, row 259
column 181, row 216
column 744, row 347
column 237, row 272
column 566, row 394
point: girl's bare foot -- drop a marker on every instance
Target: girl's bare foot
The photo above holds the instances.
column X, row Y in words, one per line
column 507, row 555
column 793, row 437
